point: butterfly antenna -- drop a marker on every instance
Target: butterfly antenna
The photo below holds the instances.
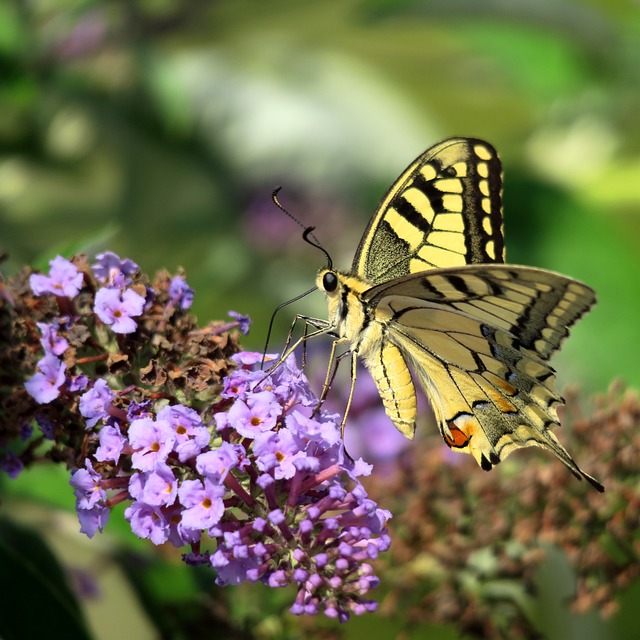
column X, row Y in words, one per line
column 314, row 242
column 273, row 317
column 308, row 231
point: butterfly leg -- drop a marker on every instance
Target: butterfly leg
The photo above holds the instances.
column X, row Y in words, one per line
column 321, row 327
column 332, row 370
column 316, row 323
column 354, row 370
column 352, row 388
column 305, row 337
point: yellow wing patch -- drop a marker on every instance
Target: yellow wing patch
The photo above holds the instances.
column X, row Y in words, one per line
column 453, row 187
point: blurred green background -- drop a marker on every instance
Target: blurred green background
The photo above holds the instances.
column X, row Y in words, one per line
column 158, row 128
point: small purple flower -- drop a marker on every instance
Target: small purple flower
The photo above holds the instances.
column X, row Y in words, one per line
column 191, row 436
column 94, row 519
column 313, row 429
column 202, row 502
column 259, row 413
column 290, row 385
column 236, row 559
column 26, row 431
column 359, row 468
column 217, row 463
column 88, row 486
column 63, row 279
column 250, row 358
column 235, row 570
column 148, row 522
column 11, row 465
column 244, row 322
column 111, row 270
column 95, row 403
column 139, row 410
column 180, row 293
column 78, row 383
column 152, row 442
column 157, row 488
column 178, row 531
column 117, row 308
column 240, row 382
column 44, row 386
column 281, row 454
column 51, row 342
column 111, row 444
column 46, row 426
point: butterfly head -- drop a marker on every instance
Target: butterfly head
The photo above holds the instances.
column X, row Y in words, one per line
column 346, row 307
column 332, row 283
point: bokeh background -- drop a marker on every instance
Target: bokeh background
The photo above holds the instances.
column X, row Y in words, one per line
column 158, row 128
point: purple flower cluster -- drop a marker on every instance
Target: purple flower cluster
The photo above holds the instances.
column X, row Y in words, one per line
column 115, row 305
column 260, row 495
column 64, row 281
column 255, row 483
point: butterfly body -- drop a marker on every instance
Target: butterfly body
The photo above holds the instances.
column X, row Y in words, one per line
column 428, row 292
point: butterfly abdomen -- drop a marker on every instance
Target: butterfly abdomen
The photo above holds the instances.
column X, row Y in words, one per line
column 357, row 324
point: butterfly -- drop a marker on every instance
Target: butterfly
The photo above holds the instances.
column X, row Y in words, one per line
column 429, row 292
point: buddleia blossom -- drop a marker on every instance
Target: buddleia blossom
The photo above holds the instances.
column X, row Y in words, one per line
column 51, row 342
column 244, row 322
column 64, row 279
column 117, row 308
column 233, row 465
column 181, row 293
column 70, row 366
column 44, row 385
column 301, row 523
column 109, row 269
column 95, row 403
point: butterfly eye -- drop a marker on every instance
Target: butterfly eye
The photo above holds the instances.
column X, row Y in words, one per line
column 330, row 281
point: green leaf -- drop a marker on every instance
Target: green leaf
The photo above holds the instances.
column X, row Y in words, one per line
column 37, row 601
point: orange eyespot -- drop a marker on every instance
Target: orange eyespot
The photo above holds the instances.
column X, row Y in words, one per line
column 458, row 438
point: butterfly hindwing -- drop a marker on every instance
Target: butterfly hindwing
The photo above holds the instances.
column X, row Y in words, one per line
column 535, row 305
column 444, row 211
column 478, row 339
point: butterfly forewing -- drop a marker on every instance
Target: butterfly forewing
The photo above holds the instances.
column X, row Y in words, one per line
column 445, row 210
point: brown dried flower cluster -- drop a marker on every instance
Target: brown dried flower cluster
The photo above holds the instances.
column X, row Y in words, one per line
column 467, row 546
